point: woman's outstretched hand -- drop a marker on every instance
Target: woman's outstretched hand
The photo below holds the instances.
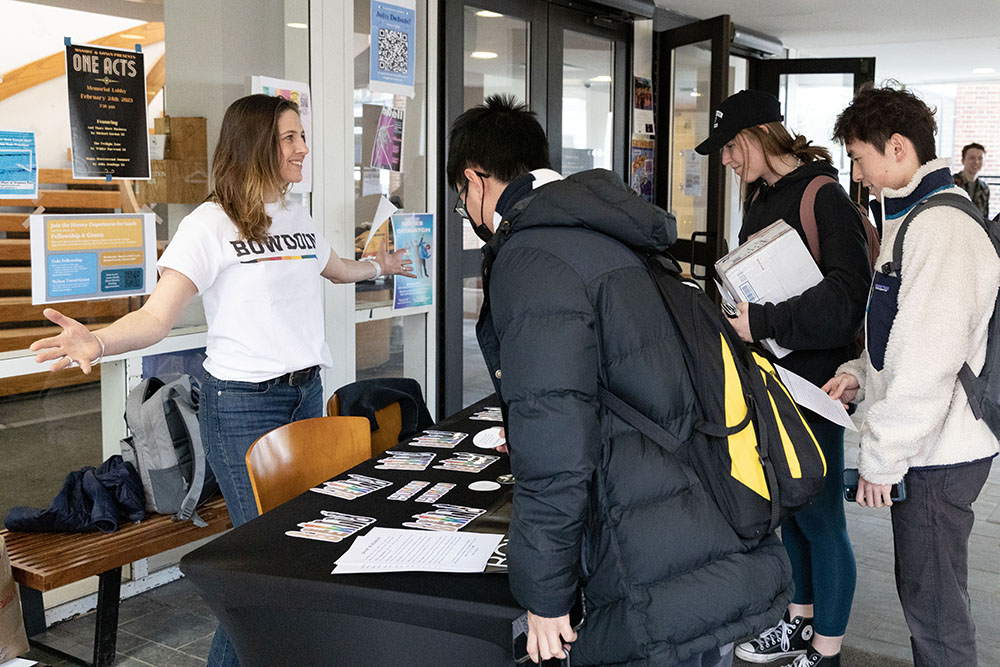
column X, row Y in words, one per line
column 395, row 263
column 74, row 345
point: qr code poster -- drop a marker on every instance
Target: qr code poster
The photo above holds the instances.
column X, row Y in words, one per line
column 92, row 256
column 393, row 51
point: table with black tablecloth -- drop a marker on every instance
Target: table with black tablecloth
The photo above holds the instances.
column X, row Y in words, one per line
column 281, row 605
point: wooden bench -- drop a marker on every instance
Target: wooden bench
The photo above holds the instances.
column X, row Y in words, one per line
column 44, row 561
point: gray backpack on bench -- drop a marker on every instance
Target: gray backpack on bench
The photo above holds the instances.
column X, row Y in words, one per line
column 166, row 448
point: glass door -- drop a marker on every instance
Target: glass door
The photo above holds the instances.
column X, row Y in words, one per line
column 690, row 78
column 493, row 46
column 813, row 91
column 573, row 70
column 588, row 92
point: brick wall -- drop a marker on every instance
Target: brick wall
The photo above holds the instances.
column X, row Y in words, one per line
column 977, row 118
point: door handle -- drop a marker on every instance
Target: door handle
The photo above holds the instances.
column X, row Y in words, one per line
column 694, row 241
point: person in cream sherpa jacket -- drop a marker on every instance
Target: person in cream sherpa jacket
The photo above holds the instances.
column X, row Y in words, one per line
column 918, row 425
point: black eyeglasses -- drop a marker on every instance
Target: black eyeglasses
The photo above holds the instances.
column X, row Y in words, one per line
column 460, row 202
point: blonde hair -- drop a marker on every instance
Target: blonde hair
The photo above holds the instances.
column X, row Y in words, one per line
column 246, row 172
column 774, row 140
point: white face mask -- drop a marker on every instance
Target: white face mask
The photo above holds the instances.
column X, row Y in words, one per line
column 497, row 219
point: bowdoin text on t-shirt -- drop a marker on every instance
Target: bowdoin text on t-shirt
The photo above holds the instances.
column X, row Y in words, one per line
column 263, row 299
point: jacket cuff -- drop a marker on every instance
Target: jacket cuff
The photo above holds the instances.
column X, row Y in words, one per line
column 857, row 368
column 759, row 326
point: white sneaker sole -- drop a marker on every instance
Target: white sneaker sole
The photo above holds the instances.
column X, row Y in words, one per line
column 761, row 658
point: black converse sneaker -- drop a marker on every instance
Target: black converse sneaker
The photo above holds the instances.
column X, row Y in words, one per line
column 814, row 659
column 788, row 638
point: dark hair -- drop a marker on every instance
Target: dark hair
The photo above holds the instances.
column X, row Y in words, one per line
column 245, row 167
column 500, row 137
column 973, row 145
column 876, row 114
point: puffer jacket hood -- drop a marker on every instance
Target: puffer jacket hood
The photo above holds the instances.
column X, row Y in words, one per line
column 598, row 200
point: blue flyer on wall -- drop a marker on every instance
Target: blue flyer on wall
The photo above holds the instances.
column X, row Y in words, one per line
column 18, row 165
column 414, row 232
column 393, row 51
column 76, row 257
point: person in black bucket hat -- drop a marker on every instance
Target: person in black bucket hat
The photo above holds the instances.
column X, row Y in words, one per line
column 776, row 170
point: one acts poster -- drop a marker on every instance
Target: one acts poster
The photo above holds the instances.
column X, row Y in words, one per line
column 298, row 92
column 414, row 232
column 393, row 51
column 18, row 165
column 92, row 256
column 107, row 112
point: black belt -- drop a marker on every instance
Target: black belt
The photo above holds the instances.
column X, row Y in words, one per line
column 297, row 378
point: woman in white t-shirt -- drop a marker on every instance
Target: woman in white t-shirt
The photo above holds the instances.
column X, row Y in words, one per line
column 256, row 260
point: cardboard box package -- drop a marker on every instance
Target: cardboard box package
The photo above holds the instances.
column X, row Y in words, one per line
column 773, row 265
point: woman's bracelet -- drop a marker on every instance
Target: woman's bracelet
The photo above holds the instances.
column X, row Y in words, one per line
column 378, row 267
column 75, row 364
column 101, row 355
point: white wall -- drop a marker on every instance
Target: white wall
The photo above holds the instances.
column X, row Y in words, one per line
column 29, row 32
column 213, row 48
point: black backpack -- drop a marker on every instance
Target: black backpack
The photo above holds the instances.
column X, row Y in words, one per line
column 751, row 448
column 983, row 390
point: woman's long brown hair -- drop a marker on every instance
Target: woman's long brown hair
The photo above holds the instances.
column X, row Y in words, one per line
column 775, row 141
column 245, row 171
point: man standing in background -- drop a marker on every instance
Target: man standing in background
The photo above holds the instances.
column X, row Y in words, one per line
column 979, row 192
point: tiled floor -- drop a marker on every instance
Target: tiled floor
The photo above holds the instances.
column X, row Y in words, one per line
column 172, row 627
column 167, row 627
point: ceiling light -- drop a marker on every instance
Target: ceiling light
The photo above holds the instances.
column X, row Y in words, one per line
column 984, row 70
column 695, row 93
column 300, row 26
column 129, row 35
column 483, row 55
column 487, row 14
column 602, row 78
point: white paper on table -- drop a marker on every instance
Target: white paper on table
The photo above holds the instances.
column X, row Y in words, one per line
column 769, row 343
column 402, row 550
column 19, row 662
column 808, row 395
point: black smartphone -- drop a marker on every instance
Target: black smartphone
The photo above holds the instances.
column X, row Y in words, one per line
column 851, row 475
column 519, row 632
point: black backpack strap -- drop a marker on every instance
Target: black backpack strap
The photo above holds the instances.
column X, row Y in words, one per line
column 952, row 199
column 639, row 421
column 973, row 389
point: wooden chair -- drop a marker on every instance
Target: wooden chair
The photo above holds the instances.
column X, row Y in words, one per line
column 390, row 424
column 294, row 457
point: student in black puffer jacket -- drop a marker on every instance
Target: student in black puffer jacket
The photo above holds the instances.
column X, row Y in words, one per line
column 569, row 307
column 821, row 327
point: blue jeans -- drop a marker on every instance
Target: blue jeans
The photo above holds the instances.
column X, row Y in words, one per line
column 232, row 416
column 817, row 543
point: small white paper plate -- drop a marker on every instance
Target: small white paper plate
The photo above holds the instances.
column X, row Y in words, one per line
column 489, row 438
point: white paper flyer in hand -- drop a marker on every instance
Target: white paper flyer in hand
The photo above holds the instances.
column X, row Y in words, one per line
column 808, row 395
column 402, row 550
column 772, row 266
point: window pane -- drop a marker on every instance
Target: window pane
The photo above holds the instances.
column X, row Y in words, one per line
column 587, row 99
column 495, row 61
column 687, row 190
